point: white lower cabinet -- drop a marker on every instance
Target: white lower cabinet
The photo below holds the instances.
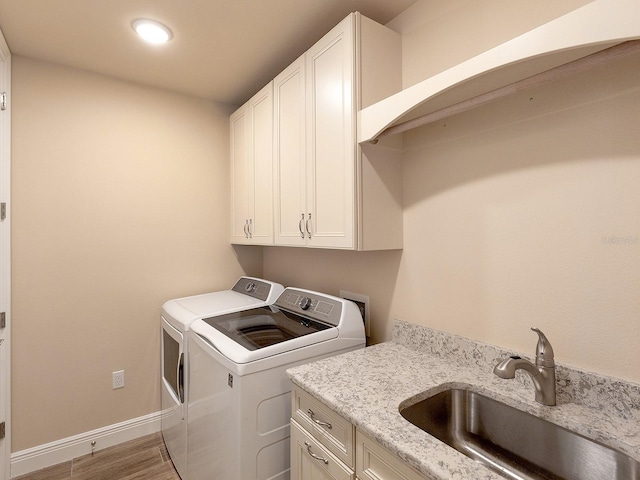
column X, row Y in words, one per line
column 374, row 462
column 326, row 446
column 310, row 460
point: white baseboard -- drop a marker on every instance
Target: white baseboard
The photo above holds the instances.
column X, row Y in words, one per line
column 63, row 450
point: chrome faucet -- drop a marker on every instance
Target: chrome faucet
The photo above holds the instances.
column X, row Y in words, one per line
column 543, row 373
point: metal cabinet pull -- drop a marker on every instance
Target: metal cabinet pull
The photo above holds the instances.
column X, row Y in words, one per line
column 317, row 422
column 249, row 228
column 246, row 225
column 313, row 455
column 307, row 225
column 300, row 226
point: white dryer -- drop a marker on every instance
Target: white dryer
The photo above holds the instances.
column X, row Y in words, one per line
column 239, row 405
column 177, row 316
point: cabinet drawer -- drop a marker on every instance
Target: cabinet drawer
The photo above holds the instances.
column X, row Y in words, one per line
column 333, row 431
column 374, row 462
column 310, row 460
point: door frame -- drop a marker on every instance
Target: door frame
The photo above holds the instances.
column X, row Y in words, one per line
column 5, row 261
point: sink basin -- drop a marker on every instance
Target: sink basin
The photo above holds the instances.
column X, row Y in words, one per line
column 514, row 443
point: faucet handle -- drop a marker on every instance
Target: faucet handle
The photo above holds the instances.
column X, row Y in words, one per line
column 544, row 351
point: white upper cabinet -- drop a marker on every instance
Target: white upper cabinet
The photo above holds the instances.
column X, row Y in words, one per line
column 327, row 193
column 289, row 150
column 251, row 142
column 330, row 153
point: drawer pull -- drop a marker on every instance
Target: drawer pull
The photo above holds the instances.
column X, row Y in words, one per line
column 313, row 455
column 317, row 422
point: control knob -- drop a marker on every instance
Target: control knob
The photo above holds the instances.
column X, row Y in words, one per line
column 305, row 303
column 250, row 287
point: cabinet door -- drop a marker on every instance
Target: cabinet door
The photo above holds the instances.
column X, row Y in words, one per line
column 331, row 138
column 251, row 140
column 289, row 155
column 239, row 140
column 260, row 178
column 374, row 462
column 310, row 461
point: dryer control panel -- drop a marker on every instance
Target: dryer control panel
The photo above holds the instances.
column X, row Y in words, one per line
column 253, row 287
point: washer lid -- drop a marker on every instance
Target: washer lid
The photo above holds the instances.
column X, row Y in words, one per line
column 263, row 327
column 262, row 332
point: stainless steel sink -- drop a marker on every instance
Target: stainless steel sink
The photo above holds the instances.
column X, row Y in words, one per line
column 516, row 444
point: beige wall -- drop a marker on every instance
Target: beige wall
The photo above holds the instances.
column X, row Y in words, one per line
column 120, row 202
column 371, row 273
column 438, row 34
column 521, row 213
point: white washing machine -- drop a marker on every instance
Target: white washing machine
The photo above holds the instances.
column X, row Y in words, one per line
column 239, row 405
column 177, row 316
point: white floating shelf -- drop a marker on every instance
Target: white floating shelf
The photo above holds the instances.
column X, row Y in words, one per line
column 594, row 27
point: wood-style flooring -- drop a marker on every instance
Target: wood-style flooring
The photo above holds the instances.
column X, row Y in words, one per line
column 145, row 458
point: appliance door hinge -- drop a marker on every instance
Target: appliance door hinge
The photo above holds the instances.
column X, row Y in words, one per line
column 3, row 320
column 2, row 431
column 3, row 101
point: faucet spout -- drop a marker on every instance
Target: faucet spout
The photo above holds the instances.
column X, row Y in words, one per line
column 543, row 373
column 507, row 367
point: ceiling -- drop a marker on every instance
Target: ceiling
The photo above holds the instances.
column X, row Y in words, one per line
column 222, row 50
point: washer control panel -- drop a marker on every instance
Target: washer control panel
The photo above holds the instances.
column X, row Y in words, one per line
column 327, row 309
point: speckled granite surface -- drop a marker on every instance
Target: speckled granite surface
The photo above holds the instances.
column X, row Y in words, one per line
column 367, row 387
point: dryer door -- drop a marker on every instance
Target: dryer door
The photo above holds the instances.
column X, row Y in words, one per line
column 173, row 361
column 174, row 410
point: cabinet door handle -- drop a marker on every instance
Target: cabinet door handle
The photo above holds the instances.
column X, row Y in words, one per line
column 317, row 422
column 246, row 225
column 300, row 226
column 307, row 223
column 313, row 455
column 249, row 228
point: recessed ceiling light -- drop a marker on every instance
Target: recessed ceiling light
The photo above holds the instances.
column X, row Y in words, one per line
column 151, row 31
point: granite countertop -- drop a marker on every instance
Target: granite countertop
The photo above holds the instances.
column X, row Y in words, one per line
column 367, row 387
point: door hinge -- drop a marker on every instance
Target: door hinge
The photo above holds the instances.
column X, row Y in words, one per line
column 3, row 211
column 3, row 101
column 2, row 430
column 3, row 320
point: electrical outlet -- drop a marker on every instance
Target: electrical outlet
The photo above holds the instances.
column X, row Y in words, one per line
column 362, row 301
column 118, row 379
